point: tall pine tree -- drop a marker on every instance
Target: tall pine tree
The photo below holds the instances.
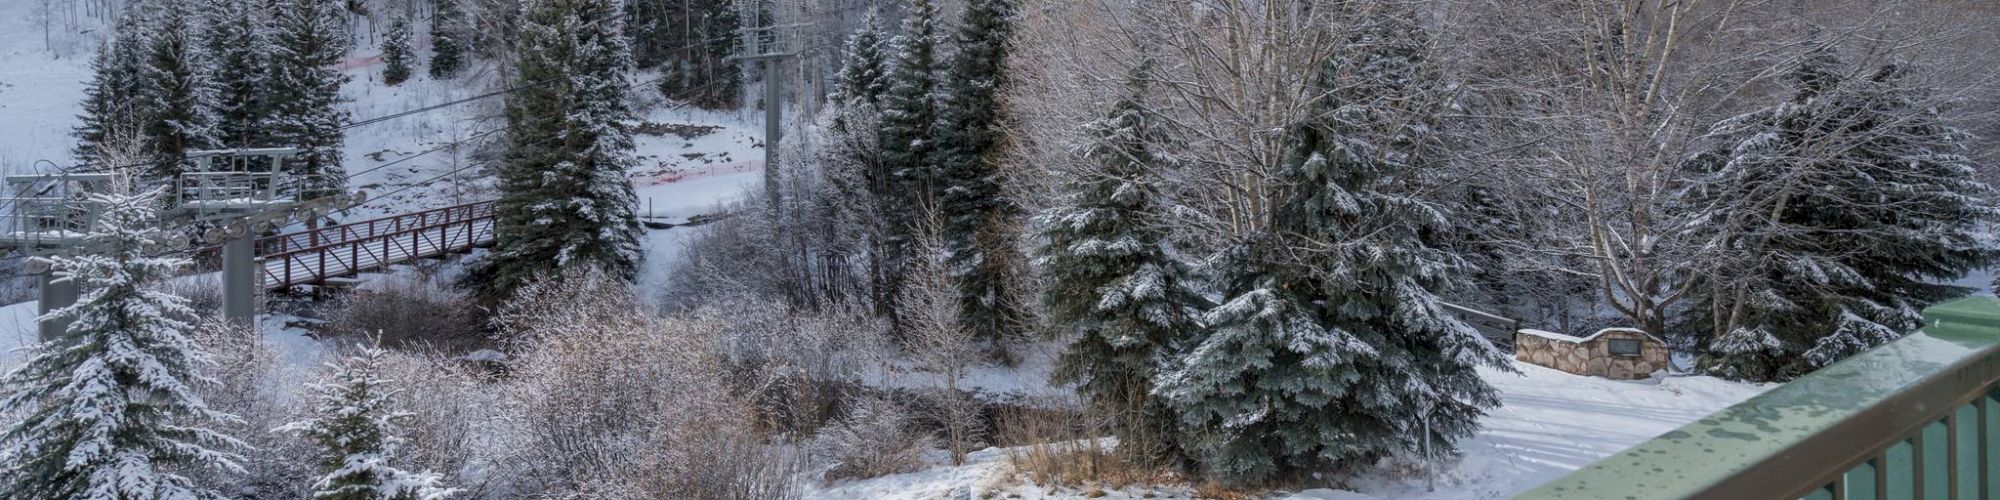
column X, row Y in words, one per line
column 1853, row 200
column 1331, row 349
column 863, row 75
column 238, row 39
column 396, row 54
column 109, row 408
column 857, row 111
column 113, row 110
column 310, row 41
column 1112, row 282
column 179, row 97
column 447, row 42
column 968, row 135
column 909, row 108
column 565, row 199
column 355, row 426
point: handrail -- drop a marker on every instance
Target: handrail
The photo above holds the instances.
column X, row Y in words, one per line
column 381, row 241
column 281, row 243
column 1920, row 412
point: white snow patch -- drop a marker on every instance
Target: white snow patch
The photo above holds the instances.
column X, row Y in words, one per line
column 1551, row 423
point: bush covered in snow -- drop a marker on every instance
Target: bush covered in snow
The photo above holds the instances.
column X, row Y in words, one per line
column 876, row 438
column 616, row 402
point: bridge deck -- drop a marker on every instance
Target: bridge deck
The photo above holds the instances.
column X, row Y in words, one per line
column 310, row 257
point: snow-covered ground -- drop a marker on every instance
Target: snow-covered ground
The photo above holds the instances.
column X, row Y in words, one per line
column 1551, row 423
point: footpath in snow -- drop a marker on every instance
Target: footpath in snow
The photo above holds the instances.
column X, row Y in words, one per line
column 1551, row 423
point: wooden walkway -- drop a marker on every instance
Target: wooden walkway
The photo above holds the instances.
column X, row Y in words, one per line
column 312, row 257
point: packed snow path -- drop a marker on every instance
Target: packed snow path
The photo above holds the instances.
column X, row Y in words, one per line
column 311, row 257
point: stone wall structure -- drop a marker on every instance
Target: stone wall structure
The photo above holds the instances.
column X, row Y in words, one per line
column 1593, row 355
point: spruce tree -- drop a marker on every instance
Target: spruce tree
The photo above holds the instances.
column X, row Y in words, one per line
column 447, row 50
column 396, row 53
column 109, row 409
column 858, row 91
column 1112, row 282
column 310, row 42
column 863, row 74
column 1331, row 348
column 112, row 107
column 355, row 425
column 178, row 95
column 1853, row 201
column 966, row 160
column 565, row 199
column 238, row 41
column 908, row 108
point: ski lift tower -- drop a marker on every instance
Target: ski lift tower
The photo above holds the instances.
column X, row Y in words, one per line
column 238, row 194
column 50, row 214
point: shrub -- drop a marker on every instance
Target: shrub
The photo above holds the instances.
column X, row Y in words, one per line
column 614, row 402
column 408, row 312
column 876, row 438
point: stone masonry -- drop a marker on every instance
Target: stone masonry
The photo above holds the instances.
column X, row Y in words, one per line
column 1592, row 355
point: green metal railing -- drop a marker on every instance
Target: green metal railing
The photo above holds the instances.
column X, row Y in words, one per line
column 1917, row 419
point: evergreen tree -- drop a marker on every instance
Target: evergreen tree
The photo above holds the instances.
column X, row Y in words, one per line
column 238, row 43
column 855, row 144
column 178, row 96
column 355, row 427
column 1331, row 349
column 1112, row 283
column 863, row 75
column 909, row 107
column 1853, row 201
column 112, row 108
column 564, row 197
column 310, row 42
column 109, row 409
column 967, row 161
column 447, row 50
column 396, row 53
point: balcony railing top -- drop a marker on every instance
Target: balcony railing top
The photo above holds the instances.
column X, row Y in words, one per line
column 1807, row 438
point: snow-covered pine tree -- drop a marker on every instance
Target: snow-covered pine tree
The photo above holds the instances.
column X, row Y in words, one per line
column 1112, row 283
column 564, row 197
column 863, row 74
column 112, row 108
column 853, row 151
column 109, row 409
column 909, row 108
column 311, row 39
column 1331, row 349
column 396, row 53
column 447, row 47
column 179, row 97
column 978, row 231
column 1846, row 207
column 238, row 41
column 355, row 426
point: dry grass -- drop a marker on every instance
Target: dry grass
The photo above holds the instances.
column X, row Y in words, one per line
column 1051, row 443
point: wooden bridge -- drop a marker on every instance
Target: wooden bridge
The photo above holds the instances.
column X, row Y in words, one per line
column 313, row 256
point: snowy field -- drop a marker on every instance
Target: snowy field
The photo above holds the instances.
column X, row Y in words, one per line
column 1551, row 423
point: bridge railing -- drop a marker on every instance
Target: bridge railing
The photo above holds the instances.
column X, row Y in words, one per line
column 313, row 256
column 1918, row 418
column 373, row 228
